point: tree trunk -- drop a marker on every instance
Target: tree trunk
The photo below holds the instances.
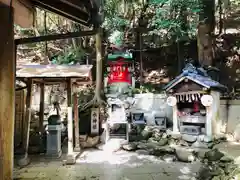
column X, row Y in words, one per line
column 99, row 60
column 205, row 33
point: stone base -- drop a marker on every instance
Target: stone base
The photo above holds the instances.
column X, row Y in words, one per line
column 54, row 154
column 71, row 158
column 77, row 149
column 24, row 161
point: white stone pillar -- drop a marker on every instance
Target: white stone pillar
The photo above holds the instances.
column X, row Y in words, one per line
column 175, row 120
column 70, row 132
column 216, row 123
column 208, row 102
column 208, row 121
column 172, row 101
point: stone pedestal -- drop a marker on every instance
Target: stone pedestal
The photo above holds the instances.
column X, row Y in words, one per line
column 54, row 141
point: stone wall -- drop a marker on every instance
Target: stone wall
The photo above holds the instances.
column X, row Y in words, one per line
column 230, row 114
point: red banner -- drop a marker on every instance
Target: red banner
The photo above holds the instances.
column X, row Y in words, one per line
column 119, row 73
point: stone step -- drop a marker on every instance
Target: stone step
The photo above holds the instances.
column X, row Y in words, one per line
column 190, row 129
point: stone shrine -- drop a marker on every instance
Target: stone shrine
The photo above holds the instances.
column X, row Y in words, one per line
column 195, row 99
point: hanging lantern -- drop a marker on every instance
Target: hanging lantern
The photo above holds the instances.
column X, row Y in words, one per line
column 108, row 69
column 171, row 101
column 114, row 68
column 123, row 68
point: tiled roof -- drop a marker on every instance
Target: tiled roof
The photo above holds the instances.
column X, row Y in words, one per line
column 197, row 75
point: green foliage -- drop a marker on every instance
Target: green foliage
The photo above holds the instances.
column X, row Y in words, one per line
column 114, row 19
column 70, row 56
column 171, row 20
column 174, row 19
column 146, row 88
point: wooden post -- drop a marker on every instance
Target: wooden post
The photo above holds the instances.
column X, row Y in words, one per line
column 76, row 122
column 70, row 155
column 41, row 109
column 27, row 121
column 7, row 92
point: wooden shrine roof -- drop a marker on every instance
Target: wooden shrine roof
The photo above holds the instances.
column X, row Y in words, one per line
column 54, row 71
column 196, row 75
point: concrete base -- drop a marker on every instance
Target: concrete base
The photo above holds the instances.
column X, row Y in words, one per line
column 77, row 149
column 54, row 155
column 71, row 158
column 24, row 161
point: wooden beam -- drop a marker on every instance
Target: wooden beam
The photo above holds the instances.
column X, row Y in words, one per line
column 76, row 4
column 66, row 10
column 7, row 91
column 41, row 108
column 69, row 92
column 23, row 12
column 55, row 37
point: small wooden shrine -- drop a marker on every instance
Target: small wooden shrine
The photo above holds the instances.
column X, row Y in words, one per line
column 195, row 99
column 71, row 76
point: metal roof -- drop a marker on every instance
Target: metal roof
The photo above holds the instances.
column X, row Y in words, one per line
column 53, row 71
column 197, row 75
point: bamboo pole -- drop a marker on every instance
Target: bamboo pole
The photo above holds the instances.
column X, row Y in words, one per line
column 25, row 159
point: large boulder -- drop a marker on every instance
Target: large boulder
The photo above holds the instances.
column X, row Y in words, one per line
column 201, row 152
column 172, row 142
column 185, row 154
column 207, row 139
column 182, row 143
column 147, row 145
column 226, row 159
column 214, row 155
column 147, row 133
column 142, row 152
column 204, row 173
column 169, row 158
column 163, row 142
column 176, row 136
column 199, row 144
column 142, row 145
column 130, row 147
column 189, row 138
column 156, row 132
column 90, row 142
column 160, row 151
